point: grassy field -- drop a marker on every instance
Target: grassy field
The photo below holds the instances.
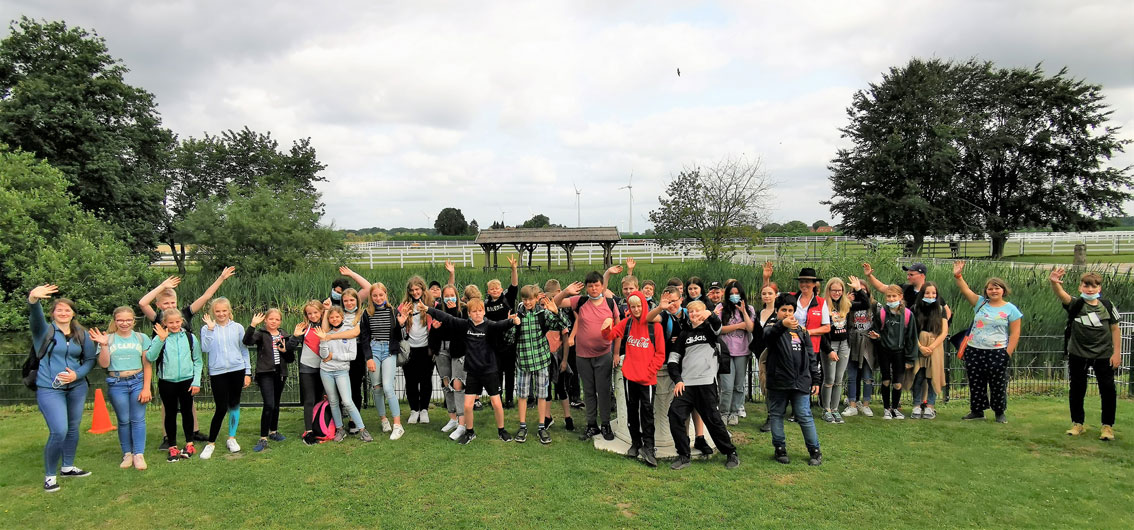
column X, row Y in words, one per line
column 941, row 473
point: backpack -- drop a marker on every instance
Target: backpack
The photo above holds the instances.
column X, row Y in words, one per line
column 161, row 354
column 614, row 311
column 1073, row 311
column 322, row 422
column 30, row 369
column 906, row 315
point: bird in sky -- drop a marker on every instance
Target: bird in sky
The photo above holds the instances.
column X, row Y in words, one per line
column 678, row 72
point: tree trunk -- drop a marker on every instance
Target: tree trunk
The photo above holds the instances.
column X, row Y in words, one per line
column 918, row 243
column 999, row 239
column 178, row 253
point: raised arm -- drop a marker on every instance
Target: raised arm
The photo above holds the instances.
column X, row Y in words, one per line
column 515, row 270
column 958, row 268
column 363, row 284
column 449, row 266
column 200, row 302
column 614, row 269
column 563, row 298
column 1056, row 279
column 868, row 271
column 146, row 302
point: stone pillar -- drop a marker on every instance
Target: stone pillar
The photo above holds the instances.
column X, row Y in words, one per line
column 1080, row 255
column 663, row 441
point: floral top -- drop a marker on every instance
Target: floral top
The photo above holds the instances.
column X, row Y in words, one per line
column 990, row 325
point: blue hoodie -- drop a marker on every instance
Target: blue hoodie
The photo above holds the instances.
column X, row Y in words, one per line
column 226, row 350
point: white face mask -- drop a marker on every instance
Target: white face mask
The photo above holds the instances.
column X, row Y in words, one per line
column 892, row 305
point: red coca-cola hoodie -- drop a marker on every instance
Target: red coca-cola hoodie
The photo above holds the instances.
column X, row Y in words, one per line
column 643, row 358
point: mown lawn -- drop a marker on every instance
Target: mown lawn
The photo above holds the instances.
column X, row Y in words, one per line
column 941, row 473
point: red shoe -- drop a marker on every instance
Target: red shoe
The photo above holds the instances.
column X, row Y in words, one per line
column 189, row 451
column 174, row 454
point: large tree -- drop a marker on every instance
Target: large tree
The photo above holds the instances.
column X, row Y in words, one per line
column 968, row 148
column 242, row 161
column 537, row 221
column 451, row 222
column 63, row 98
column 713, row 204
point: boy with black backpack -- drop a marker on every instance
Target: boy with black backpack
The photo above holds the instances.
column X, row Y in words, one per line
column 176, row 356
column 1091, row 340
column 644, row 356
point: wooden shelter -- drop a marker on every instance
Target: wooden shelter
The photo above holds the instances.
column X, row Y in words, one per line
column 529, row 239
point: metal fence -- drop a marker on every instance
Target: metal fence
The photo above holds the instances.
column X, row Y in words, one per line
column 1038, row 367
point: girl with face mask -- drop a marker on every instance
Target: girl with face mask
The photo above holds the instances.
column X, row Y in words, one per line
column 738, row 323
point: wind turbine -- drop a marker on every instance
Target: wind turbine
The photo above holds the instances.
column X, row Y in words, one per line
column 578, row 214
column 502, row 212
column 630, row 186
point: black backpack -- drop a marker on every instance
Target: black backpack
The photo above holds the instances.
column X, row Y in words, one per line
column 161, row 354
column 30, row 369
column 615, row 311
column 1073, row 312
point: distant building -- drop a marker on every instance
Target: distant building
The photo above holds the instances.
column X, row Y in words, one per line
column 825, row 229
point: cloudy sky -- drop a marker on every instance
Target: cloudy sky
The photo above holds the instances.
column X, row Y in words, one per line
column 501, row 108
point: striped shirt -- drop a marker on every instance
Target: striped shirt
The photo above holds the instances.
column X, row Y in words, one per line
column 381, row 322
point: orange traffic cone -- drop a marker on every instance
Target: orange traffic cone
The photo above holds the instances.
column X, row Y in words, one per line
column 101, row 422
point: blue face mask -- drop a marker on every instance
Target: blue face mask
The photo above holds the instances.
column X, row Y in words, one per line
column 892, row 305
column 599, row 297
column 1090, row 296
column 734, row 298
column 336, row 296
column 450, row 299
column 929, row 300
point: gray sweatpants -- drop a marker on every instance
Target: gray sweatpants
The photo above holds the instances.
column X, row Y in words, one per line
column 596, row 375
column 732, row 386
column 833, row 374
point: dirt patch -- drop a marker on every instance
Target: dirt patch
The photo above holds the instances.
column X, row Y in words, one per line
column 624, row 509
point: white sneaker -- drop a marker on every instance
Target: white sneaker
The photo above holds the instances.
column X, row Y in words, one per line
column 733, row 419
column 850, row 411
column 916, row 414
column 886, row 415
column 450, row 426
column 233, row 447
column 385, row 424
column 742, row 413
column 127, row 461
column 412, row 417
column 866, row 411
column 898, row 415
column 207, row 452
column 456, row 434
column 423, row 416
column 398, row 431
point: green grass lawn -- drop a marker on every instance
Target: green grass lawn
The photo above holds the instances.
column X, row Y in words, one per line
column 941, row 473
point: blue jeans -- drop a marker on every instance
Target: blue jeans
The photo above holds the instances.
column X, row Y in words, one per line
column 62, row 410
column 801, row 406
column 382, row 381
column 336, row 384
column 863, row 375
column 131, row 414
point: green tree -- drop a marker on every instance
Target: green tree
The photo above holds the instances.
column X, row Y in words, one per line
column 537, row 221
column 45, row 237
column 942, row 147
column 247, row 160
column 474, row 227
column 260, row 231
column 817, row 224
column 772, row 228
column 795, row 227
column 451, row 222
column 712, row 205
column 63, row 97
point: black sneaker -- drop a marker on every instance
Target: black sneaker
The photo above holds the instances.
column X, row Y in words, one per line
column 681, row 462
column 504, row 436
column 701, row 445
column 633, row 451
column 548, row 422
column 649, row 457
column 607, row 434
column 781, row 455
column 577, row 404
column 467, row 437
column 164, row 444
column 76, row 472
column 816, row 458
column 521, row 435
column 767, row 426
column 198, row 437
column 531, row 402
column 544, row 436
column 973, row 416
column 478, row 405
column 568, row 424
column 1001, row 418
column 50, row 487
column 352, row 428
column 309, row 439
column 732, row 462
column 592, row 431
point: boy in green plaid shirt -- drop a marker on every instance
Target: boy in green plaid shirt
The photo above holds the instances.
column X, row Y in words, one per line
column 538, row 315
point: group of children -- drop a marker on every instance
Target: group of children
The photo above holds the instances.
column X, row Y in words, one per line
column 536, row 338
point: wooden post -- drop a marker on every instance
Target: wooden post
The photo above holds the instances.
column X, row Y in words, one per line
column 549, row 256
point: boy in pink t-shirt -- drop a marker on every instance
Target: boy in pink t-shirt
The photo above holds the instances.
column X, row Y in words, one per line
column 593, row 360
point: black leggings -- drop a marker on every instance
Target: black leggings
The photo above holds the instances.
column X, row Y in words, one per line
column 271, row 388
column 567, row 384
column 176, row 398
column 893, row 366
column 310, row 392
column 1104, row 377
column 419, row 378
column 226, row 396
column 357, row 376
column 506, row 360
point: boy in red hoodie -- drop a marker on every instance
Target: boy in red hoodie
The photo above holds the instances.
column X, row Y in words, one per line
column 644, row 355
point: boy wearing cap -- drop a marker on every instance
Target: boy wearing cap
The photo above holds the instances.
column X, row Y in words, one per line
column 716, row 294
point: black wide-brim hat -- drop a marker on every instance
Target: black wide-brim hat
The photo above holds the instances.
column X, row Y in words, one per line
column 807, row 273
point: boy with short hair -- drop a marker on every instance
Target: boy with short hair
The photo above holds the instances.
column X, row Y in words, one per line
column 693, row 368
column 1091, row 340
column 674, row 319
column 594, row 353
column 164, row 296
column 481, row 372
column 792, row 375
column 538, row 316
column 648, row 288
column 498, row 304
